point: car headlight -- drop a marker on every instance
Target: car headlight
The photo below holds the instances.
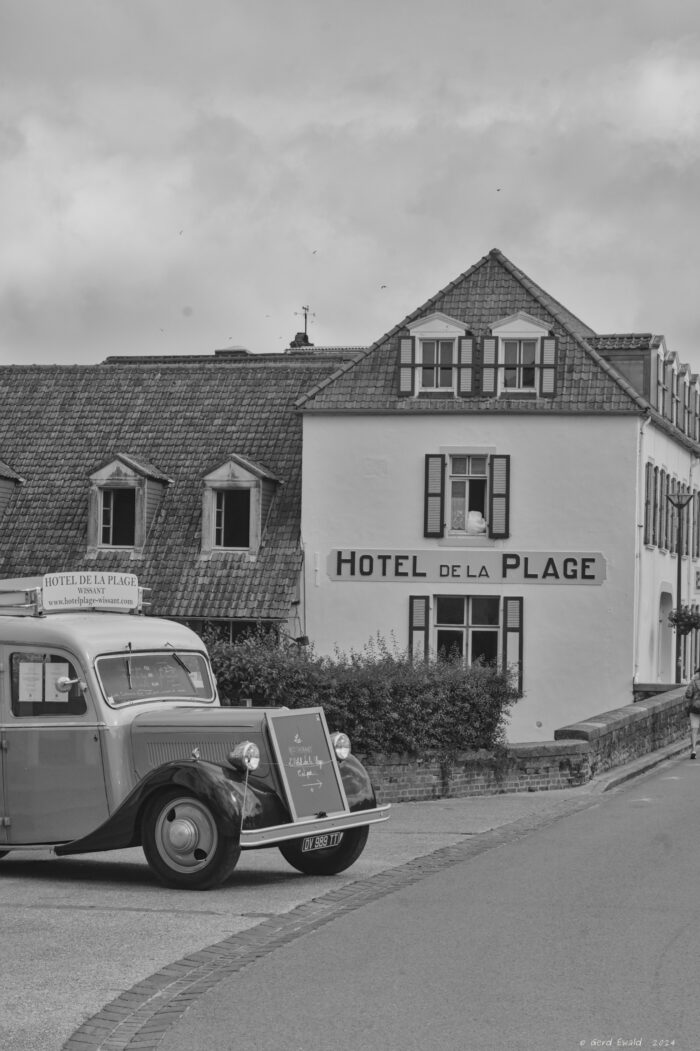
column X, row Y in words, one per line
column 245, row 756
column 341, row 745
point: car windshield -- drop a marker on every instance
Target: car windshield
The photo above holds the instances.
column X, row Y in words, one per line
column 163, row 675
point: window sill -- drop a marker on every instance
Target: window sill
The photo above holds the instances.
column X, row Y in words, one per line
column 135, row 553
column 219, row 554
column 471, row 540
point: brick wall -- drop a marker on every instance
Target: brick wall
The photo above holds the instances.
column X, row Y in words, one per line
column 577, row 753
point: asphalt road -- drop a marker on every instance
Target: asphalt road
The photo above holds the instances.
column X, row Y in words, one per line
column 583, row 933
column 573, row 922
column 76, row 933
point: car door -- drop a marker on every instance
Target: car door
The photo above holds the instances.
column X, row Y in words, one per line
column 52, row 761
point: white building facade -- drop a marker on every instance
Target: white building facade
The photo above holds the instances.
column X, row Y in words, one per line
column 491, row 479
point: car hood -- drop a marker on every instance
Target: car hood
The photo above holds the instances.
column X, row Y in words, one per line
column 161, row 736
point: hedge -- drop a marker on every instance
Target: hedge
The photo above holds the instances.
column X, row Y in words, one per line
column 384, row 702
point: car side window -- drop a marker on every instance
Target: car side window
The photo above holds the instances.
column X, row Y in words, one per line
column 45, row 684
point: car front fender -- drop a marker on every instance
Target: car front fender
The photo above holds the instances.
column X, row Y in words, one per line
column 222, row 789
column 359, row 790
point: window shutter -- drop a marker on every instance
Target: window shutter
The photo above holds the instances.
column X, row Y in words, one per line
column 407, row 361
column 434, row 518
column 648, row 487
column 499, row 497
column 548, row 368
column 419, row 627
column 489, row 366
column 513, row 609
column 466, row 387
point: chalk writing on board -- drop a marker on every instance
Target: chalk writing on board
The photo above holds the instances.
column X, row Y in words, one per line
column 306, row 762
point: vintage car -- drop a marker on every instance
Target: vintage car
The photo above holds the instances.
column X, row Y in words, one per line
column 112, row 735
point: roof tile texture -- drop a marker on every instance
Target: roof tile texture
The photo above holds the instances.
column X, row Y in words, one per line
column 60, row 423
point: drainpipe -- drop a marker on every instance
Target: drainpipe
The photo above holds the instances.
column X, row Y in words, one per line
column 639, row 545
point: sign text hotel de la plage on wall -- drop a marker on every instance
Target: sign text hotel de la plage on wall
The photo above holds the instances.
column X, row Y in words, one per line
column 486, row 567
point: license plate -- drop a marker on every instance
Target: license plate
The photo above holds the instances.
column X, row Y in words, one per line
column 322, row 842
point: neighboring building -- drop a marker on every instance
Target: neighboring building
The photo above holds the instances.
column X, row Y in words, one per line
column 186, row 471
column 491, row 478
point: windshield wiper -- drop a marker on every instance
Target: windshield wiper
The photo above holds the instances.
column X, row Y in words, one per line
column 128, row 669
column 178, row 658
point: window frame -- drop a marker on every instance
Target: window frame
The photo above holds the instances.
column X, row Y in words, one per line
column 519, row 367
column 437, row 366
column 468, row 627
column 422, row 629
column 451, row 478
column 437, row 496
column 219, row 515
column 520, row 328
column 108, row 515
column 237, row 474
column 73, row 703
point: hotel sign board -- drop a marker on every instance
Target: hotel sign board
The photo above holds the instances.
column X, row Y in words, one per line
column 77, row 591
column 582, row 568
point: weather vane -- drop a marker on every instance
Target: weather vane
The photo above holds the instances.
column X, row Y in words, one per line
column 306, row 311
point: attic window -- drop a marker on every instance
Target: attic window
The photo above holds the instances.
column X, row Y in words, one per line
column 519, row 358
column 431, row 356
column 118, row 517
column 236, row 501
column 232, row 526
column 124, row 496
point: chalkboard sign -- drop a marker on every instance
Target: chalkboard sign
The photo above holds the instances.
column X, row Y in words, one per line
column 300, row 739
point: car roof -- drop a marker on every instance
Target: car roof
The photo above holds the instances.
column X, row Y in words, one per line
column 92, row 633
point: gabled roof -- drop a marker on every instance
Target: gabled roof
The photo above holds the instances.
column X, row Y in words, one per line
column 489, row 291
column 184, row 419
column 258, row 470
column 142, row 467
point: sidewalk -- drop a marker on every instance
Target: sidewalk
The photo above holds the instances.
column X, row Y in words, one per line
column 432, row 835
column 473, row 815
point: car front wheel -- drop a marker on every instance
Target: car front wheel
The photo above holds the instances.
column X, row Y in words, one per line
column 186, row 843
column 305, row 856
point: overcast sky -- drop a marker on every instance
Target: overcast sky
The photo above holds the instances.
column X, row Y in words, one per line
column 178, row 176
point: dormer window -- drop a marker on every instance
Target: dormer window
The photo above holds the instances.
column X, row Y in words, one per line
column 440, row 358
column 437, row 364
column 436, row 358
column 235, row 504
column 123, row 499
column 519, row 358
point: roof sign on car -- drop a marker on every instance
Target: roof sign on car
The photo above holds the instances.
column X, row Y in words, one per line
column 71, row 592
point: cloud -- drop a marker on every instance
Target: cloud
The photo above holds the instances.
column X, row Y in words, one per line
column 173, row 175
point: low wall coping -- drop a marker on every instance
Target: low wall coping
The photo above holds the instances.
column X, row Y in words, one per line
column 607, row 722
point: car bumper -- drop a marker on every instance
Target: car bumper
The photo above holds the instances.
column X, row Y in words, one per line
column 266, row 837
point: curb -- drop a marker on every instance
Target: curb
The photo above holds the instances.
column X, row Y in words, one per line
column 611, row 779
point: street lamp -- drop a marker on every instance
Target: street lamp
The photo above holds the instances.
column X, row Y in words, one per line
column 680, row 501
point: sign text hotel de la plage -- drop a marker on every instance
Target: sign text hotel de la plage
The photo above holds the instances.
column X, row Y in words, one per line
column 486, row 567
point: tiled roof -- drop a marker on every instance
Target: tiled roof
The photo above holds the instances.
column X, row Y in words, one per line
column 623, row 341
column 490, row 290
column 60, row 423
